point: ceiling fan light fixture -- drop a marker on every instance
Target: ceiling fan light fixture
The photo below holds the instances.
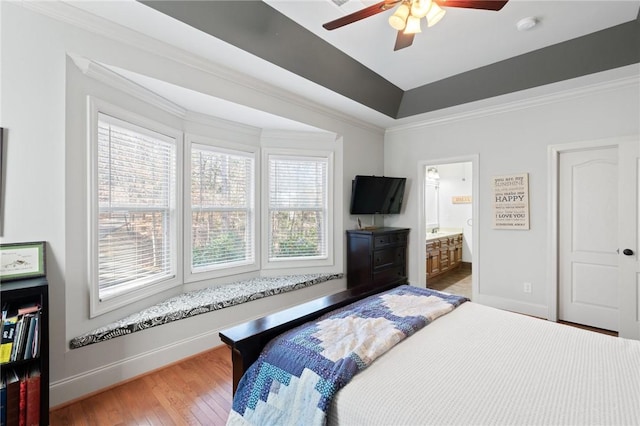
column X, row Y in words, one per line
column 420, row 8
column 435, row 14
column 413, row 25
column 399, row 19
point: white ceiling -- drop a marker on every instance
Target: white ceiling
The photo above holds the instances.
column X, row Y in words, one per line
column 463, row 40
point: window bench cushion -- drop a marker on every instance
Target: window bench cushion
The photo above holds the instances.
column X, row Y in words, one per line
column 198, row 302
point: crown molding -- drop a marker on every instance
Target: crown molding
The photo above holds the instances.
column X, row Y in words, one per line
column 104, row 75
column 65, row 12
column 630, row 82
column 112, row 79
column 310, row 136
column 220, row 123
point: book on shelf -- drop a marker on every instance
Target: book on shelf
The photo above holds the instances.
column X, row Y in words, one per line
column 17, row 352
column 33, row 398
column 21, row 403
column 22, row 406
column 8, row 337
column 28, row 346
column 29, row 308
column 3, row 401
column 13, row 398
column 35, row 344
column 20, row 337
column 16, row 339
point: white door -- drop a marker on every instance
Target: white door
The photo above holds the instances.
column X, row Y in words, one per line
column 599, row 236
column 629, row 227
column 588, row 238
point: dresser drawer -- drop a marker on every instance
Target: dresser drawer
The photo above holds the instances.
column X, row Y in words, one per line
column 389, row 239
column 389, row 275
column 391, row 256
column 381, row 241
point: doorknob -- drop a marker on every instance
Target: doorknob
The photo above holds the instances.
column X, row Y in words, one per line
column 627, row 252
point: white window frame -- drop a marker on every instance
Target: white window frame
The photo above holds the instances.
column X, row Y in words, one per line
column 100, row 306
column 217, row 271
column 301, row 262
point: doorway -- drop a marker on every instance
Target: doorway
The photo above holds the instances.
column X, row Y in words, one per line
column 594, row 214
column 447, row 212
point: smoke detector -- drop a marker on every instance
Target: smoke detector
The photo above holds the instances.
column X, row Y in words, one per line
column 527, row 23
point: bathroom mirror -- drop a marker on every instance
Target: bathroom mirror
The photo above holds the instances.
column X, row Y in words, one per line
column 431, row 197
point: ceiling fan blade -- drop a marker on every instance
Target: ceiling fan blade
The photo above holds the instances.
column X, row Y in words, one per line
column 361, row 14
column 403, row 40
column 474, row 4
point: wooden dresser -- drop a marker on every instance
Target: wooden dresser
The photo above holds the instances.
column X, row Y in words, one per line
column 377, row 257
column 444, row 253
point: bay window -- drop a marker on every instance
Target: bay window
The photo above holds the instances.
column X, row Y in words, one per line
column 298, row 207
column 222, row 208
column 167, row 209
column 134, row 199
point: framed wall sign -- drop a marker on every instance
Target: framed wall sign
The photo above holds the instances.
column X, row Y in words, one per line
column 22, row 260
column 461, row 199
column 511, row 201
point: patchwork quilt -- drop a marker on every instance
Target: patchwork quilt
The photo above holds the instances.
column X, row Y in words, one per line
column 299, row 372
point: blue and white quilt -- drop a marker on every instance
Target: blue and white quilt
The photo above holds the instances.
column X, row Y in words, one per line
column 299, row 372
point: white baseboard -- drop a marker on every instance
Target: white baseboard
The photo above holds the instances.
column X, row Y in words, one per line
column 532, row 309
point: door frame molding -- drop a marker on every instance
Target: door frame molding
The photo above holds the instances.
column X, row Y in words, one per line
column 553, row 162
column 475, row 236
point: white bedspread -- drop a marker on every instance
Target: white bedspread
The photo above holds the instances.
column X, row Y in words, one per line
column 482, row 366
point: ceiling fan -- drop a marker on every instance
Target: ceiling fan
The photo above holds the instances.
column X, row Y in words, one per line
column 406, row 18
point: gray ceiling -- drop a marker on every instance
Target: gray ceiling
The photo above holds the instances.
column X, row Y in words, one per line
column 257, row 28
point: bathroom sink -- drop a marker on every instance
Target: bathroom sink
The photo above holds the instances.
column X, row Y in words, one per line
column 440, row 234
column 432, row 235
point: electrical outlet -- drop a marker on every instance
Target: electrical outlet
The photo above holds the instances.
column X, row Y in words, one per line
column 527, row 287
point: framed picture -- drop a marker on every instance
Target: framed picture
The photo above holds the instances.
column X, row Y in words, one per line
column 22, row 260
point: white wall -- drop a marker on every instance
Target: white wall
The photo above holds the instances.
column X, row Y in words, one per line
column 513, row 139
column 42, row 108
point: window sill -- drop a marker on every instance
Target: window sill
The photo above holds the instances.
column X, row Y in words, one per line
column 199, row 302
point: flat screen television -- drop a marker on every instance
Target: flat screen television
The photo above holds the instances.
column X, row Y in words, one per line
column 377, row 195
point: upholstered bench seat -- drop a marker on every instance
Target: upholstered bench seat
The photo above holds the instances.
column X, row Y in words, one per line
column 198, row 302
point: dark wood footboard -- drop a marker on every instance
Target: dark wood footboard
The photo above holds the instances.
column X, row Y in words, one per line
column 247, row 340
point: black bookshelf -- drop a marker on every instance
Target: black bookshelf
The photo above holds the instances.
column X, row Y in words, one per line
column 24, row 292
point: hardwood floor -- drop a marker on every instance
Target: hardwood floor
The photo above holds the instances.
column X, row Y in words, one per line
column 457, row 281
column 196, row 391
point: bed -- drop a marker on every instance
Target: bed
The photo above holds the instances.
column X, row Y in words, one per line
column 474, row 365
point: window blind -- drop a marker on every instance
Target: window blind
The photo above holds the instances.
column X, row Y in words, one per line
column 222, row 207
column 297, row 207
column 136, row 200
